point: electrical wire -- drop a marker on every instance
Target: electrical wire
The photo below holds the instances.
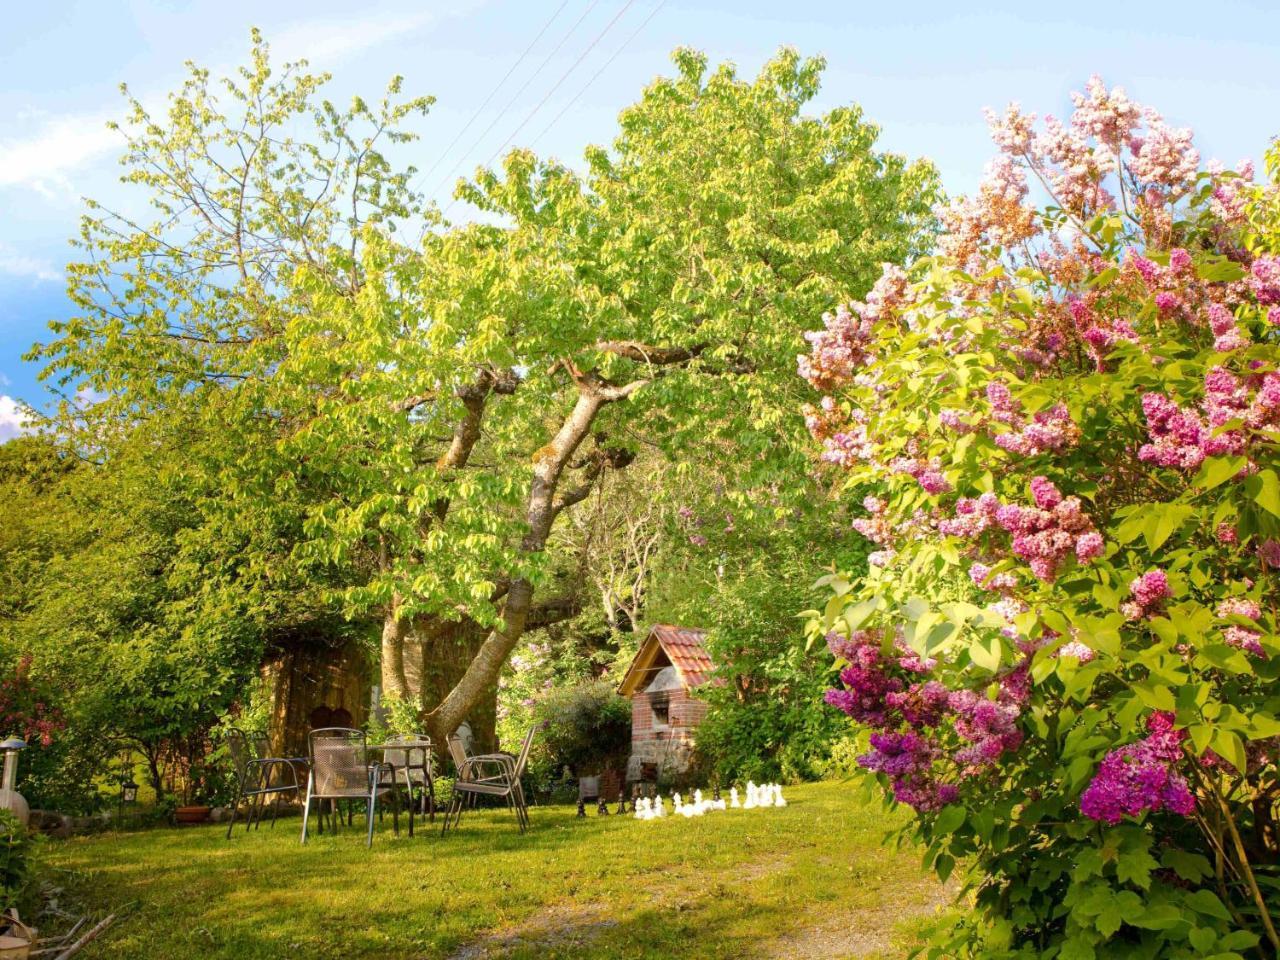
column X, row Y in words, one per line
column 492, row 93
column 525, row 86
column 596, row 76
column 556, row 86
column 563, row 77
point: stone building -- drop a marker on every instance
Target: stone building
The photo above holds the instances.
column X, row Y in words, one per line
column 660, row 682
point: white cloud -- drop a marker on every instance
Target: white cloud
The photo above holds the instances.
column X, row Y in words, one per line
column 63, row 144
column 17, row 264
column 13, row 419
column 60, row 144
column 327, row 41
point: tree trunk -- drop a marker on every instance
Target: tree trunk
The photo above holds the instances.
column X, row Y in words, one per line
column 438, row 657
column 548, row 466
column 395, row 632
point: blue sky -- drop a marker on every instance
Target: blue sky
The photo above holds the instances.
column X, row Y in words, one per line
column 922, row 70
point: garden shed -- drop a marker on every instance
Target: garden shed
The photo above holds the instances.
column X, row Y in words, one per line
column 660, row 682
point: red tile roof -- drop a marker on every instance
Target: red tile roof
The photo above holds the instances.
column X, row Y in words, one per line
column 684, row 646
column 685, row 649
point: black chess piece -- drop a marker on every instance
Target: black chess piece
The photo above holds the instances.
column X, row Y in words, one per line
column 622, row 804
column 602, row 808
column 716, row 794
column 582, row 809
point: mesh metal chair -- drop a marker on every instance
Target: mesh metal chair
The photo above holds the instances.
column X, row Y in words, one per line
column 259, row 776
column 491, row 775
column 341, row 770
column 417, row 764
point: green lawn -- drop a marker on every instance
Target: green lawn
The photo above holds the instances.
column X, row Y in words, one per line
column 810, row 880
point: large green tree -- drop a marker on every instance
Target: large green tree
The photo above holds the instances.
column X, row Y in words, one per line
column 424, row 414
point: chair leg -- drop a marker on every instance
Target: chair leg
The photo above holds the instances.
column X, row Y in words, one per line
column 235, row 803
column 306, row 810
column 370, row 805
column 275, row 809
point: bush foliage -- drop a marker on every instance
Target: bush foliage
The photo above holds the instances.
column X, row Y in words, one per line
column 1065, row 430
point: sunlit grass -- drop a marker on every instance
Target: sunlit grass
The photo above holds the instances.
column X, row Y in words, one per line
column 812, row 879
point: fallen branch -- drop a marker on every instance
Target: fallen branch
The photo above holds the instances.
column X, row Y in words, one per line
column 91, row 935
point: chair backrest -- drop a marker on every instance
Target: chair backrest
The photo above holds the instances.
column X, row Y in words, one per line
column 523, row 759
column 244, row 747
column 458, row 750
column 339, row 760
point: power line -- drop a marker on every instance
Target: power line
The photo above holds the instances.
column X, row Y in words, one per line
column 556, row 86
column 492, row 93
column 596, row 76
column 501, row 113
column 563, row 77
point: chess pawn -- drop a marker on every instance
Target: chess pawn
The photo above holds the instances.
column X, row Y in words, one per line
column 641, row 809
column 697, row 798
column 658, row 810
column 686, row 811
column 733, row 798
column 679, row 804
column 778, row 799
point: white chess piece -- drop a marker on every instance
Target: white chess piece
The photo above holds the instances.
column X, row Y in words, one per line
column 697, row 798
column 638, row 813
column 677, row 801
column 777, row 796
column 733, row 798
column 658, row 809
column 686, row 811
column 751, row 796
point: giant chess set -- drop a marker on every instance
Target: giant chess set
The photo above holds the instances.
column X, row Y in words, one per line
column 757, row 797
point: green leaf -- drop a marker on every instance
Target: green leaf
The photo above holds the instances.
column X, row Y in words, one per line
column 1230, row 747
column 950, row 818
column 1207, row 902
column 1218, row 470
column 1163, row 521
column 1135, row 866
column 1160, row 916
column 1268, row 491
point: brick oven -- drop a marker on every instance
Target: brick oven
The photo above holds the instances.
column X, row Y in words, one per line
column 660, row 682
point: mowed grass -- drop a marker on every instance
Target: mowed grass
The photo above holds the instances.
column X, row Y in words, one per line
column 809, row 880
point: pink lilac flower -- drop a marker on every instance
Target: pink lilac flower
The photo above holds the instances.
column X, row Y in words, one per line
column 954, row 420
column 982, row 577
column 1165, row 156
column 990, row 727
column 1140, row 777
column 1049, row 431
column 1167, row 302
column 1075, row 648
column 1108, row 116
column 1226, row 533
column 1264, row 279
column 1149, row 591
column 1045, row 537
column 972, row 517
column 1237, row 635
column 1089, row 546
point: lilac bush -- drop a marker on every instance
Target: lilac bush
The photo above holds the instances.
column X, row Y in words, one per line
column 1063, row 431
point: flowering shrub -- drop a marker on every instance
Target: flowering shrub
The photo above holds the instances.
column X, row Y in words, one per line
column 1063, row 431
